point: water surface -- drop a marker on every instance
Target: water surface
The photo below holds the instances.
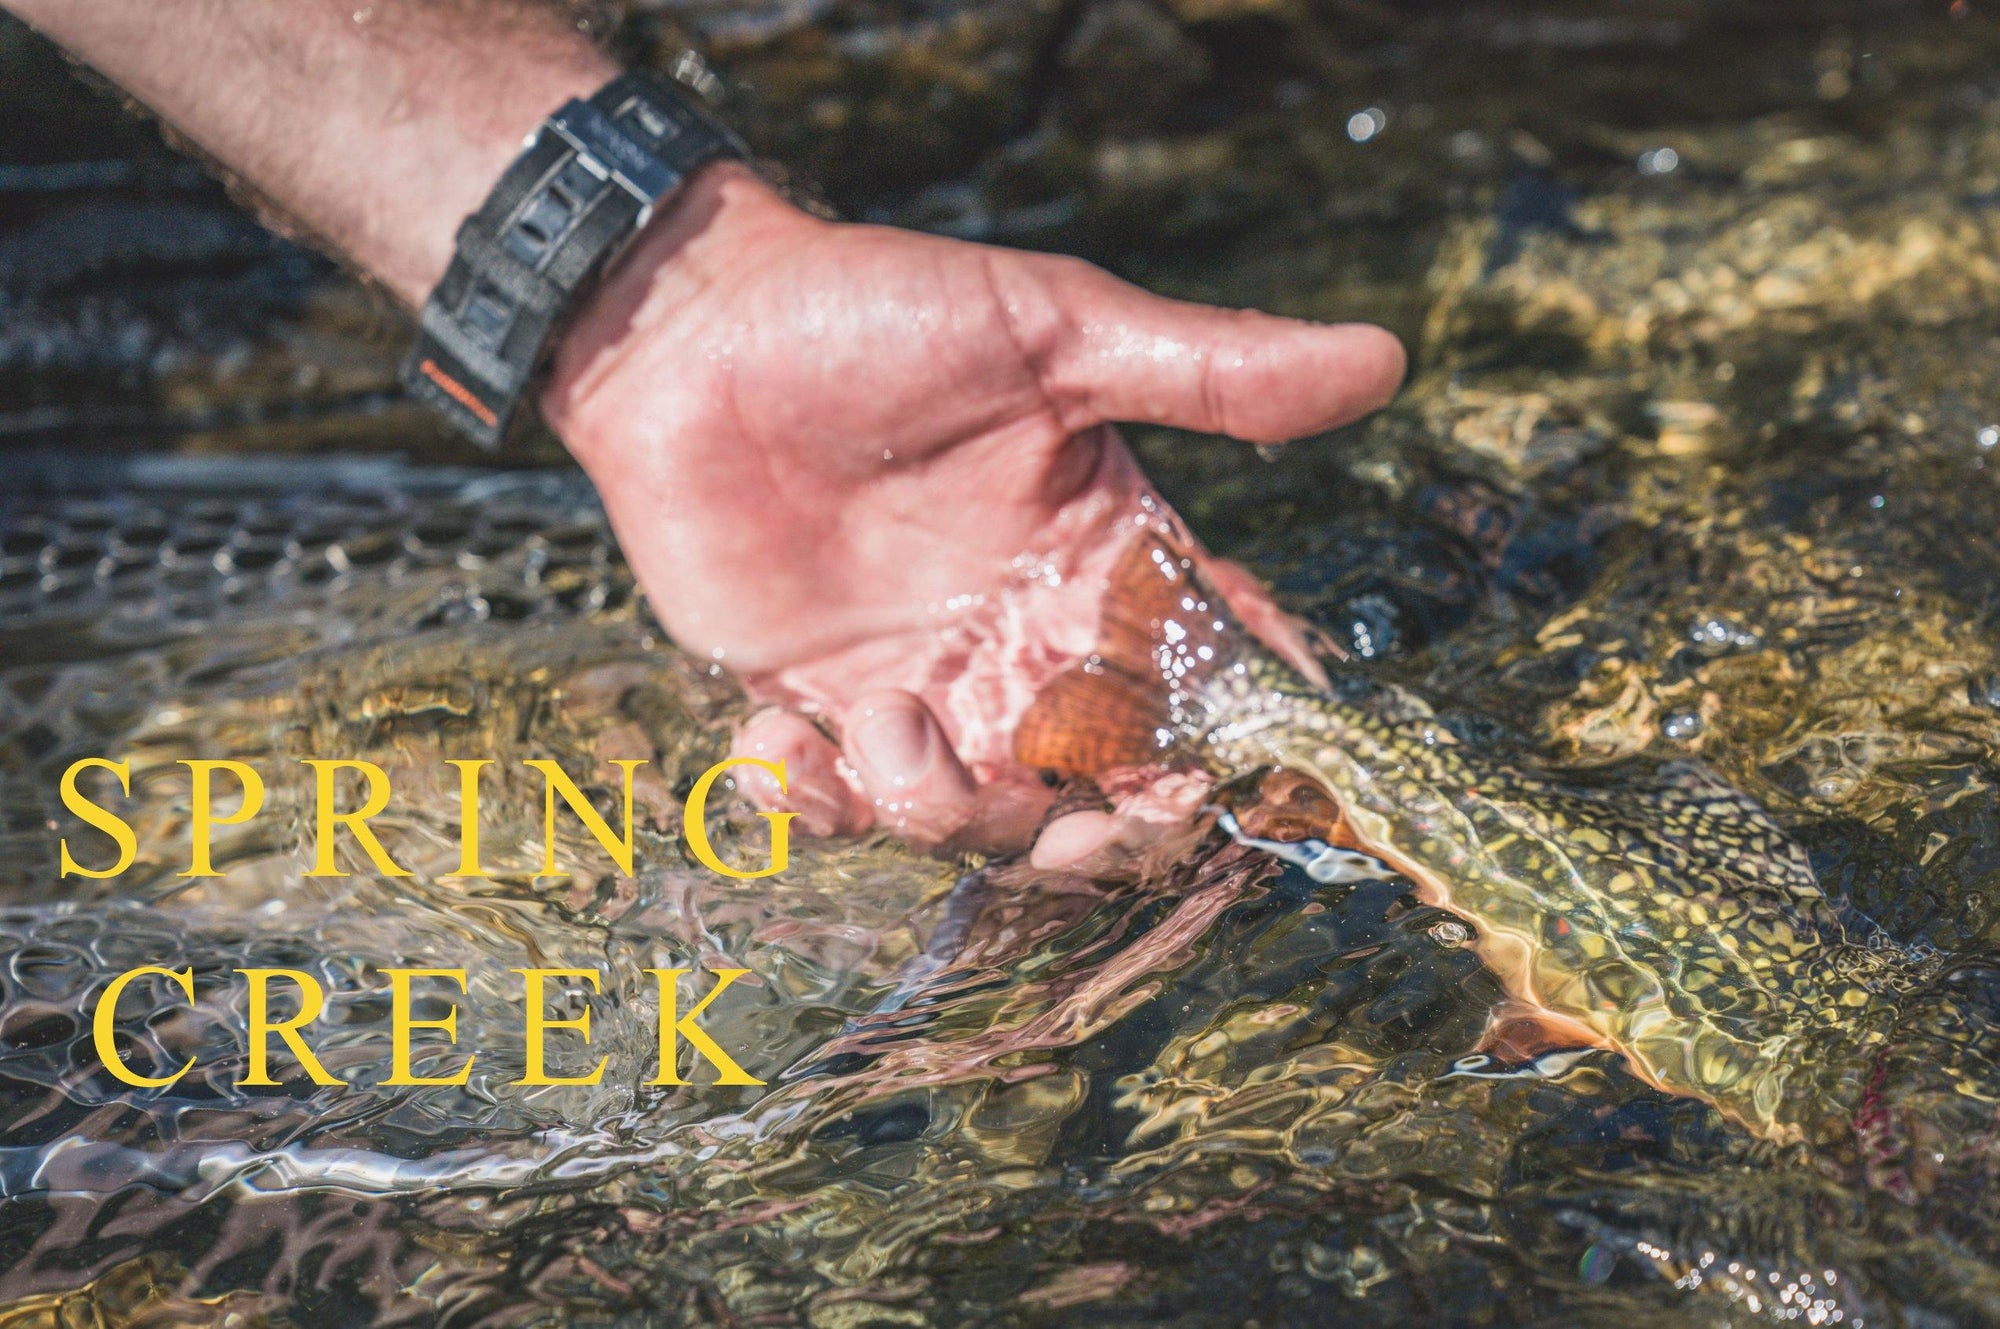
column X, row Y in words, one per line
column 1697, row 460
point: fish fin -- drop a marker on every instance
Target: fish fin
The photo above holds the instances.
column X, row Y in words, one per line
column 1159, row 629
column 1292, row 806
column 1158, row 610
column 1091, row 719
column 1521, row 1031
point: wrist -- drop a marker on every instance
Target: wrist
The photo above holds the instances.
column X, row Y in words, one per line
column 468, row 141
column 658, row 298
column 377, row 128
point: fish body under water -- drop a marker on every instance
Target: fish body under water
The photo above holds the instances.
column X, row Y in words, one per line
column 1653, row 910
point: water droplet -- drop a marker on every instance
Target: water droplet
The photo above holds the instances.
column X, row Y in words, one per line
column 1659, row 161
column 1682, row 725
column 1984, row 691
column 1450, row 932
column 1366, row 124
column 1717, row 635
column 1597, row 1263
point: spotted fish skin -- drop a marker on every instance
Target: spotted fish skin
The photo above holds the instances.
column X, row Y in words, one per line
column 1654, row 909
column 1658, row 908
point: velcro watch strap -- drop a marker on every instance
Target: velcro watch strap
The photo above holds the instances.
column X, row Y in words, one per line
column 589, row 180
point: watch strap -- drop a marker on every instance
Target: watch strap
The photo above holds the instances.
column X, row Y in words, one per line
column 589, row 180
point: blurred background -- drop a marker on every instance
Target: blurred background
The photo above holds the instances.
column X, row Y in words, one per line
column 1309, row 156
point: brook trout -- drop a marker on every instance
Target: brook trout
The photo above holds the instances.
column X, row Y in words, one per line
column 1653, row 910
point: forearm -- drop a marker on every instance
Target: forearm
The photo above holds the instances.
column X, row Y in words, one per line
column 377, row 124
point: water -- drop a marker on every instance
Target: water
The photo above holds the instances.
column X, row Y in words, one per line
column 1695, row 461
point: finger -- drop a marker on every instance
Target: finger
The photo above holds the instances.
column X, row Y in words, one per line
column 1005, row 814
column 1072, row 840
column 816, row 787
column 1112, row 844
column 1115, row 352
column 915, row 783
column 1258, row 612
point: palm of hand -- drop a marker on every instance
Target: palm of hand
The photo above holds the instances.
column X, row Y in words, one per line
column 878, row 489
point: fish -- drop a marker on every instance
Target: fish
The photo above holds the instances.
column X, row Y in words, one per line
column 1651, row 909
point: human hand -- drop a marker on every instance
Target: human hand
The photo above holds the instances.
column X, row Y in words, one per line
column 871, row 472
column 867, row 469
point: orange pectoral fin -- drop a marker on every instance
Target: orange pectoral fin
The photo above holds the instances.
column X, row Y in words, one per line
column 1114, row 709
column 1089, row 720
column 1522, row 1031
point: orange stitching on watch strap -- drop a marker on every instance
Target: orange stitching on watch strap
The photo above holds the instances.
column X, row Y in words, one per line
column 459, row 393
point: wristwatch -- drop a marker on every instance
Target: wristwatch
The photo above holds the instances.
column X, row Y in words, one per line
column 589, row 180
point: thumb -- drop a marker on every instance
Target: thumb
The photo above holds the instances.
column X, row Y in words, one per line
column 1120, row 353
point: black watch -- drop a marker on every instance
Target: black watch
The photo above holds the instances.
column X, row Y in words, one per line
column 590, row 178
